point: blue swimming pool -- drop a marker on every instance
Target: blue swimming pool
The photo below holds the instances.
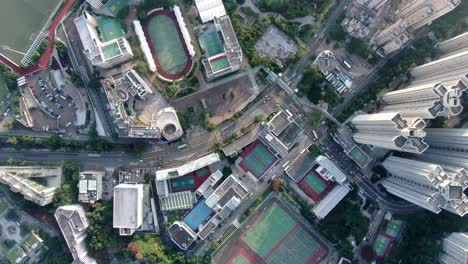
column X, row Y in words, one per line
column 198, row 214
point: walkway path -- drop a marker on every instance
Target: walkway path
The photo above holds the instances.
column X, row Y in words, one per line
column 45, row 58
column 304, row 102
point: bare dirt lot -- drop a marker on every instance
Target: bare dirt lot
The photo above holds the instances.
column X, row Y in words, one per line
column 222, row 101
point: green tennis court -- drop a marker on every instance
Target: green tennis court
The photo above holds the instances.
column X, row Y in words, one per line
column 202, row 172
column 298, row 248
column 394, row 228
column 381, row 244
column 241, row 260
column 212, row 43
column 111, row 51
column 167, row 44
column 219, row 64
column 182, row 183
column 314, row 182
column 258, row 160
column 110, row 29
column 116, row 5
column 273, row 226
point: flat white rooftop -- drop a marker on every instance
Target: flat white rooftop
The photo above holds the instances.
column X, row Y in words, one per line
column 128, row 206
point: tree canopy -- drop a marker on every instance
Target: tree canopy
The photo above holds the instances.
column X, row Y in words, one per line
column 310, row 84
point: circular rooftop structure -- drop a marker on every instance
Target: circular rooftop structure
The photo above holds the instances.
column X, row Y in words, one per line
column 123, row 95
column 169, row 129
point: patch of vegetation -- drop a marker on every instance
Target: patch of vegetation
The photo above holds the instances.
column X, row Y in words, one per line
column 185, row 92
column 337, row 33
column 453, row 23
column 314, row 117
column 249, row 11
column 311, row 83
column 307, row 32
column 172, row 90
column 192, row 82
column 315, row 150
column 153, row 250
column 425, row 236
column 185, row 119
column 395, row 68
column 9, row 77
column 101, row 234
column 289, row 9
column 68, row 192
column 358, row 46
column 38, row 53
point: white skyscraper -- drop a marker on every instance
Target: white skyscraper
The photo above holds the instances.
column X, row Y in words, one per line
column 428, row 185
column 454, row 249
column 101, row 52
column 427, row 100
column 73, row 223
column 436, row 88
column 410, row 16
column 391, row 131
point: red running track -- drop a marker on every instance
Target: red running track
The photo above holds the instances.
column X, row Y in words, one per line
column 159, row 69
column 45, row 58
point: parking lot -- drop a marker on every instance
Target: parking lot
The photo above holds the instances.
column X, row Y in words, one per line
column 55, row 105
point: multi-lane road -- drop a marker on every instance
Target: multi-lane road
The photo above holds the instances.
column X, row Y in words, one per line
column 361, row 180
column 295, row 71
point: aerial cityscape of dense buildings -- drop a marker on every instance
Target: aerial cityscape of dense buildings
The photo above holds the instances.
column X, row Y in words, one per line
column 234, row 132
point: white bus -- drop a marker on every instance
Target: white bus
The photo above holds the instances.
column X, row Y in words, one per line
column 347, row 65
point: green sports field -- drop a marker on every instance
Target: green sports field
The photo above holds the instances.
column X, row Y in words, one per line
column 212, row 43
column 241, row 260
column 182, row 183
column 20, row 22
column 381, row 245
column 219, row 64
column 110, row 29
column 167, row 44
column 298, row 248
column 394, row 228
column 273, row 226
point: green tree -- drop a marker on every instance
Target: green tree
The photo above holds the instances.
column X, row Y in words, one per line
column 307, row 32
column 337, row 33
column 310, row 84
column 54, row 142
column 425, row 236
column 142, row 67
column 102, row 235
column 12, row 140
column 185, row 119
column 123, row 13
column 65, row 195
column 358, row 46
column 152, row 249
column 314, row 117
column 94, row 83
